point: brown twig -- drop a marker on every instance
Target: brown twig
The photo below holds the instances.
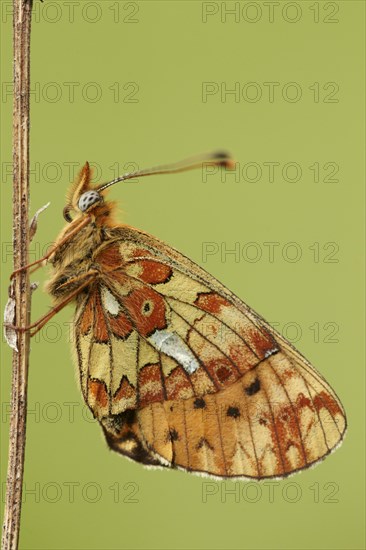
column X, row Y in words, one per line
column 21, row 290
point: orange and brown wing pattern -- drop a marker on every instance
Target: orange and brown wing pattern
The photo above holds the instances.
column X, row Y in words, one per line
column 275, row 420
column 148, row 332
column 211, row 386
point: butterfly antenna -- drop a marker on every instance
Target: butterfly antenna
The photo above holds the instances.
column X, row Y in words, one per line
column 218, row 158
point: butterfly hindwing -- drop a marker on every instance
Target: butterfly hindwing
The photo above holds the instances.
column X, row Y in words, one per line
column 255, row 428
column 212, row 387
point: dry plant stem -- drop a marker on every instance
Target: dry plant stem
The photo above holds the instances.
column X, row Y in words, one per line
column 21, row 290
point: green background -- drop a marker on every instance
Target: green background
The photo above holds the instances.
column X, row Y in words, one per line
column 169, row 52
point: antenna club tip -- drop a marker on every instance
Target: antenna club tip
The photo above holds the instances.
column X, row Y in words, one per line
column 223, row 158
column 230, row 164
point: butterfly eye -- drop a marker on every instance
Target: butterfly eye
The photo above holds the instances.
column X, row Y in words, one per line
column 147, row 308
column 87, row 199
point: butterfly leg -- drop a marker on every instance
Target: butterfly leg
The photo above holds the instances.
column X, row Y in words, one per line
column 38, row 263
column 37, row 325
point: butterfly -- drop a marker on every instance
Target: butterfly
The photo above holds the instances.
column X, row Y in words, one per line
column 179, row 372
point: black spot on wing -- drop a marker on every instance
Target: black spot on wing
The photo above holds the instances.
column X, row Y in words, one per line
column 253, row 388
column 233, row 412
column 199, row 403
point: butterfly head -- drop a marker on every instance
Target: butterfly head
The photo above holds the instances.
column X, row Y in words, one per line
column 82, row 197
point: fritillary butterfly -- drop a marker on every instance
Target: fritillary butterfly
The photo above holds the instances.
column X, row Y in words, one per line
column 178, row 371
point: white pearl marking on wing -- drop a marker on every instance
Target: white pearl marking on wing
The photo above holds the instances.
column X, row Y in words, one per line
column 109, row 301
column 270, row 352
column 173, row 345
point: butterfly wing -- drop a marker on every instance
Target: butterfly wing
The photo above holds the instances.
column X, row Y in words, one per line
column 211, row 387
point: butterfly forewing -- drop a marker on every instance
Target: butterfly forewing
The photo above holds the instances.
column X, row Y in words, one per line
column 182, row 373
